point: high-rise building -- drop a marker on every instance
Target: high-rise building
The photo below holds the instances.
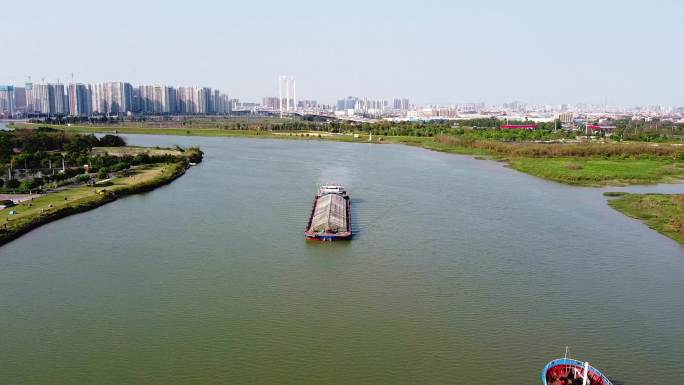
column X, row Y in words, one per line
column 187, row 100
column 350, row 103
column 122, row 98
column 37, row 98
column 307, row 104
column 164, row 100
column 56, row 99
column 159, row 100
column 145, row 99
column 113, row 98
column 80, row 100
column 204, row 101
column 224, row 105
column 401, row 104
column 172, row 100
column 7, row 103
column 47, row 99
column 271, row 102
column 20, row 98
column 215, row 102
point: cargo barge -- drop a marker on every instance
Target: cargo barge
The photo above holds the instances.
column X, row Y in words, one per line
column 330, row 218
column 566, row 371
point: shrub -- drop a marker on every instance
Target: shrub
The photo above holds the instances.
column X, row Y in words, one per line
column 195, row 154
column 120, row 166
column 142, row 158
column 82, row 178
column 61, row 176
column 111, row 141
column 13, row 183
column 31, row 184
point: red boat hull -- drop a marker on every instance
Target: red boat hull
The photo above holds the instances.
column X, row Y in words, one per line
column 566, row 371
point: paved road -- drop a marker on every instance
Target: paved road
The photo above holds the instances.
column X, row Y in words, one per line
column 16, row 198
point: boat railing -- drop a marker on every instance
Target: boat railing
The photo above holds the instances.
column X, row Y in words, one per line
column 572, row 362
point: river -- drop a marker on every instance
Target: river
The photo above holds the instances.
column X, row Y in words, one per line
column 462, row 271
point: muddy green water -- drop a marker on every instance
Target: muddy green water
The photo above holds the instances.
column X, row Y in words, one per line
column 462, row 272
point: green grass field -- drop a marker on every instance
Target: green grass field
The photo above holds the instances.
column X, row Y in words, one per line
column 198, row 131
column 661, row 212
column 163, row 131
column 580, row 171
column 602, row 172
column 430, row 144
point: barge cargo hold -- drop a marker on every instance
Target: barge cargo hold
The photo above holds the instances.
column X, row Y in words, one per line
column 330, row 215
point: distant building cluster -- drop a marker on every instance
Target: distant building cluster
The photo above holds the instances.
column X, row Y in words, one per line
column 273, row 103
column 352, row 105
column 121, row 98
column 110, row 98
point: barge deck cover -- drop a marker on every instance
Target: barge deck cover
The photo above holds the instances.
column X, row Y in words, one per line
column 330, row 214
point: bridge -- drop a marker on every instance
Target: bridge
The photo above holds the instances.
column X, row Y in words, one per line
column 302, row 114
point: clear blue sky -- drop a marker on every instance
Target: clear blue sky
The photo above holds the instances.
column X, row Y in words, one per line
column 622, row 52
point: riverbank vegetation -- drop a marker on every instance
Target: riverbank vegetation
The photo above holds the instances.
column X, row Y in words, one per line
column 485, row 128
column 66, row 173
column 45, row 208
column 635, row 153
column 33, row 160
column 587, row 164
column 661, row 212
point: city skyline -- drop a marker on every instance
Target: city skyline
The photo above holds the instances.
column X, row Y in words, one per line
column 110, row 98
column 95, row 100
column 148, row 90
column 436, row 52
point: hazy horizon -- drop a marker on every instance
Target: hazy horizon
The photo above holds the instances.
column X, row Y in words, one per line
column 617, row 53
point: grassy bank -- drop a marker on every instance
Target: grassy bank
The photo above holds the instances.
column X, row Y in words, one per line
column 591, row 165
column 431, row 143
column 53, row 206
column 582, row 164
column 146, row 130
column 661, row 212
column 602, row 172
